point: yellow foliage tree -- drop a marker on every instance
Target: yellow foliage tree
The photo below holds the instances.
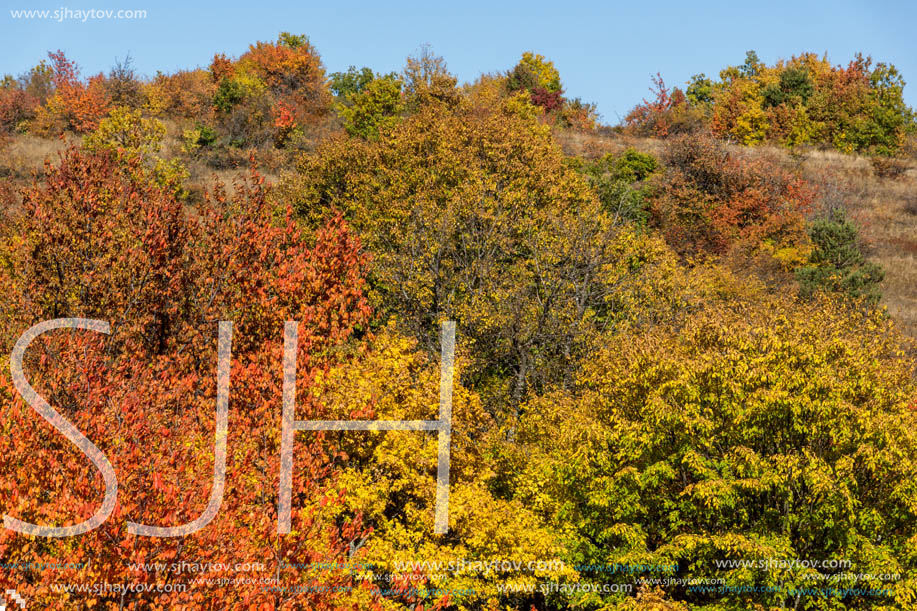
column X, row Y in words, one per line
column 473, row 214
column 389, row 478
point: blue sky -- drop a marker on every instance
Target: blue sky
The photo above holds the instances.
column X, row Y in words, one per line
column 605, row 51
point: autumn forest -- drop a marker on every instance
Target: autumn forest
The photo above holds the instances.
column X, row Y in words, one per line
column 685, row 365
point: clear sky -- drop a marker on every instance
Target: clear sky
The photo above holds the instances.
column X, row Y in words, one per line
column 605, row 51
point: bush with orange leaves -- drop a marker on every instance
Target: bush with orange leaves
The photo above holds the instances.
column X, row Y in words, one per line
column 75, row 105
column 20, row 98
column 290, row 65
column 711, row 200
column 270, row 91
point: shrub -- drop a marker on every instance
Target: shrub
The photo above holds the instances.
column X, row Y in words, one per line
column 228, row 94
column 614, row 178
column 101, row 242
column 889, row 167
column 122, row 84
column 21, row 98
column 126, row 132
column 16, row 107
column 667, row 114
column 285, row 121
column 38, row 82
column 577, row 114
column 633, row 165
column 135, row 142
column 550, row 101
column 268, row 95
column 206, row 136
column 711, row 200
column 857, row 108
column 187, row 94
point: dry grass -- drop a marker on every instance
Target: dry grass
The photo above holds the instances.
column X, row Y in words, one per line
column 22, row 157
column 24, row 154
column 593, row 145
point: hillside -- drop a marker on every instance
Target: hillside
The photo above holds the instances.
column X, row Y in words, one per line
column 883, row 206
column 663, row 365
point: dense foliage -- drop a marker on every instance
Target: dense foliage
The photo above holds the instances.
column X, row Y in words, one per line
column 99, row 241
column 858, row 107
column 670, row 353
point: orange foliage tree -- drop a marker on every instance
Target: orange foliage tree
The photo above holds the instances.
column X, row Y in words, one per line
column 75, row 105
column 100, row 242
column 270, row 90
column 16, row 106
column 186, row 94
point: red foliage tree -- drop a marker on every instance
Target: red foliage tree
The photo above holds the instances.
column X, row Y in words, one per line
column 651, row 115
column 101, row 242
column 549, row 100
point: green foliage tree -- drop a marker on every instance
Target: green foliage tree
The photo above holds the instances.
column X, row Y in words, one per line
column 293, row 41
column 837, row 262
column 353, row 81
column 755, row 428
column 375, row 108
column 229, row 93
column 700, row 90
column 752, row 65
column 620, row 185
column 889, row 119
column 794, row 84
column 99, row 240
